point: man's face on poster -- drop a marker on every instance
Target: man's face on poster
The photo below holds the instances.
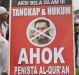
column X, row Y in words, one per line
column 41, row 26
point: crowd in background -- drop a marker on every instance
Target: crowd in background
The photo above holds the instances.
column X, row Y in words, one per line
column 4, row 36
column 5, row 4
column 76, row 28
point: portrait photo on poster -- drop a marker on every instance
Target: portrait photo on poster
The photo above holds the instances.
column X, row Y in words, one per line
column 41, row 32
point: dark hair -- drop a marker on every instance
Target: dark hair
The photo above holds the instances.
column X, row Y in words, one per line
column 42, row 20
column 76, row 24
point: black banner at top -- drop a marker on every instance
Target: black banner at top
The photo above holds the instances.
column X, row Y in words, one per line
column 39, row 2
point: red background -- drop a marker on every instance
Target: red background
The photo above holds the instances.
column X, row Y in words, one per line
column 64, row 38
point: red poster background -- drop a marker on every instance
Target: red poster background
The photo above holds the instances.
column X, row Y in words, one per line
column 64, row 38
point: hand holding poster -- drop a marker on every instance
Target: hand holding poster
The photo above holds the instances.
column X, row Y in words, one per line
column 41, row 37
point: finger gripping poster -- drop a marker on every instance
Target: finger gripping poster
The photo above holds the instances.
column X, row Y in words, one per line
column 41, row 37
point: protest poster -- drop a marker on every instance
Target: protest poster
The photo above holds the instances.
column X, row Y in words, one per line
column 41, row 37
